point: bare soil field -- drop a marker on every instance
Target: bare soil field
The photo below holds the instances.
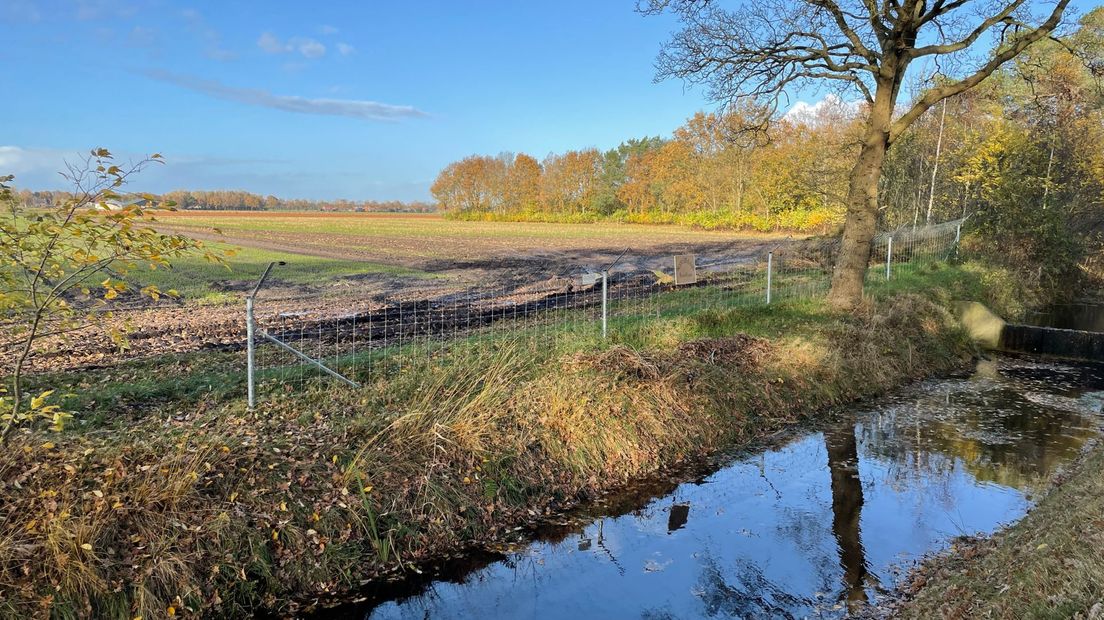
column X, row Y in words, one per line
column 435, row 244
column 418, row 260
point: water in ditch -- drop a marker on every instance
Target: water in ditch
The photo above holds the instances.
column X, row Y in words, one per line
column 819, row 525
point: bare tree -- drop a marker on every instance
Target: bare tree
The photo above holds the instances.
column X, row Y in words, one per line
column 763, row 49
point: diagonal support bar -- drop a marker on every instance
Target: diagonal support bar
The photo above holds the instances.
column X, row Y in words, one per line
column 306, row 358
column 251, row 335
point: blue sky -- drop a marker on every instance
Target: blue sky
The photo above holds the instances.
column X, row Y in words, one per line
column 360, row 100
column 215, row 88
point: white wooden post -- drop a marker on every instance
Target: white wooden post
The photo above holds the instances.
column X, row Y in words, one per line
column 250, row 350
column 605, row 302
column 889, row 255
column 770, row 269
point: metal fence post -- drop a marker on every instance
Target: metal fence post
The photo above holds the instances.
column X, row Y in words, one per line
column 889, row 255
column 250, row 350
column 605, row 302
column 251, row 335
column 770, row 269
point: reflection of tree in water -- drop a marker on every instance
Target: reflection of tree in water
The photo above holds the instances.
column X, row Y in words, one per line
column 743, row 591
column 747, row 595
column 997, row 426
column 847, row 502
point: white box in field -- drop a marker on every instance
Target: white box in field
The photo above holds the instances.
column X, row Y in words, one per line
column 588, row 280
column 686, row 271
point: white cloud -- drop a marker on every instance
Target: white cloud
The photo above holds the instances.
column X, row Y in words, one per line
column 309, row 48
column 104, row 9
column 290, row 177
column 208, row 36
column 345, row 49
column 352, row 108
column 18, row 160
column 812, row 113
column 19, row 11
column 269, row 43
column 38, row 168
column 141, row 36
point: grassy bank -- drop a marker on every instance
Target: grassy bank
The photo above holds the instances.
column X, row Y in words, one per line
column 201, row 505
column 1048, row 565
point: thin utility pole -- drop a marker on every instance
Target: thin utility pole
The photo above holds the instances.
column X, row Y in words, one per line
column 919, row 194
column 1046, row 186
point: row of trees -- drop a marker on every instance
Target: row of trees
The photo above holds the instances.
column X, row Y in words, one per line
column 718, row 169
column 1037, row 126
column 1018, row 147
column 240, row 200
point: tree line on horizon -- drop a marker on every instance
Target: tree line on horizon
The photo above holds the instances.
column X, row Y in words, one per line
column 238, row 200
column 718, row 170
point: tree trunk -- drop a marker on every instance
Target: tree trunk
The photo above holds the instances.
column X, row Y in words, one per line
column 935, row 166
column 740, row 186
column 862, row 207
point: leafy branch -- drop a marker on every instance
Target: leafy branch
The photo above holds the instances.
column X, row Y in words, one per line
column 52, row 261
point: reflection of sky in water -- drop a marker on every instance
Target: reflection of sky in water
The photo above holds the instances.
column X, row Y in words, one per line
column 781, row 533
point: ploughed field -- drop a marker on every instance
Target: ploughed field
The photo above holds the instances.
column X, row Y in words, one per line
column 433, row 243
column 352, row 264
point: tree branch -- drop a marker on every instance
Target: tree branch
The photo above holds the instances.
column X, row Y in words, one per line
column 940, row 93
column 846, row 29
column 949, row 48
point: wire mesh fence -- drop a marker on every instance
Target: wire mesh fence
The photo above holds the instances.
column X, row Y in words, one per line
column 363, row 340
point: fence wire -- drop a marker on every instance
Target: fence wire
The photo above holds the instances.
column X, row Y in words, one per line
column 371, row 339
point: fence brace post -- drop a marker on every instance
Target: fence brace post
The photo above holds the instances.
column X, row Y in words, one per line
column 958, row 238
column 251, row 335
column 250, row 349
column 889, row 255
column 605, row 302
column 770, row 269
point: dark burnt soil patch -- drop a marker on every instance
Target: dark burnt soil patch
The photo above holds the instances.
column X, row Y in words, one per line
column 739, row 351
